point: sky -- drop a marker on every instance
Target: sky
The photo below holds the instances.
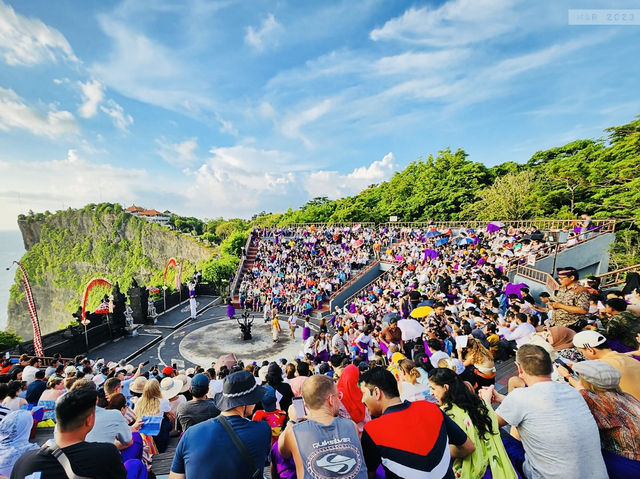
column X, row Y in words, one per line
column 230, row 108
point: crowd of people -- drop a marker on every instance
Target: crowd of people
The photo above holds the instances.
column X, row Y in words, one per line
column 368, row 396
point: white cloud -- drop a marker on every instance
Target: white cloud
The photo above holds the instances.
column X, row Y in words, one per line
column 28, row 41
column 456, row 22
column 180, row 154
column 226, row 126
column 92, row 95
column 293, row 122
column 15, row 114
column 267, row 33
column 120, row 119
column 419, row 63
column 335, row 185
column 72, row 181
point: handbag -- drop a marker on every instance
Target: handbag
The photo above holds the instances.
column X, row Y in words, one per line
column 257, row 474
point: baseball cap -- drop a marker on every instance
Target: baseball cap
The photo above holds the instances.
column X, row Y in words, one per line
column 200, row 381
column 598, row 373
column 167, row 370
column 588, row 339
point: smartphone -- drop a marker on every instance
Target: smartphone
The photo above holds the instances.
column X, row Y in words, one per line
column 298, row 405
column 145, row 363
column 560, row 362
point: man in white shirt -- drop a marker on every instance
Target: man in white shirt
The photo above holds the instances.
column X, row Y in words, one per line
column 293, row 323
column 522, row 332
column 29, row 372
column 558, row 434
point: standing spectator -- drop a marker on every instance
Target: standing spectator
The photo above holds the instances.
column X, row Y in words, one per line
column 570, row 303
column 549, row 417
column 75, row 415
column 418, row 451
column 316, row 441
column 200, row 408
column 293, row 324
column 207, row 450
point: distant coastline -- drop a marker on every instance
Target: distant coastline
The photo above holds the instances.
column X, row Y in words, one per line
column 11, row 249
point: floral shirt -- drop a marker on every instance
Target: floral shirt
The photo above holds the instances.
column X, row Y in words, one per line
column 618, row 418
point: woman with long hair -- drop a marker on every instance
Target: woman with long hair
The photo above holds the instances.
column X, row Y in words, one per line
column 479, row 421
column 351, row 397
column 151, row 403
column 481, row 359
column 13, row 401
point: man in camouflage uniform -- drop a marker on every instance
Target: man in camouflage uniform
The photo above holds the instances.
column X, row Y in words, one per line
column 570, row 301
column 623, row 325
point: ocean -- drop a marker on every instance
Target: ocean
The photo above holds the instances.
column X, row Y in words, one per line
column 11, row 249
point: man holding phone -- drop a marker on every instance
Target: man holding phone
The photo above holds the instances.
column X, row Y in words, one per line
column 322, row 444
column 570, row 301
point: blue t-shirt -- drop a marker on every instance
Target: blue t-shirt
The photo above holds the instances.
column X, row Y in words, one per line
column 206, row 450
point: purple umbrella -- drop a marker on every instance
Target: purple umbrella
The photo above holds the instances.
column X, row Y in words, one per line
column 494, row 226
column 430, row 253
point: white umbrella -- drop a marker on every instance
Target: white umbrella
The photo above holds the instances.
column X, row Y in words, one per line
column 410, row 328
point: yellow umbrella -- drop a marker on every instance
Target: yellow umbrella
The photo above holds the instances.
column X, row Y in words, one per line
column 421, row 312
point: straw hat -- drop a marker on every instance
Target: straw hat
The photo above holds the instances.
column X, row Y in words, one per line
column 170, row 387
column 98, row 380
column 186, row 382
column 129, row 368
column 138, row 384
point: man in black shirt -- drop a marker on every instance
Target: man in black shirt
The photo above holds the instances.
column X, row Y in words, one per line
column 75, row 416
column 200, row 408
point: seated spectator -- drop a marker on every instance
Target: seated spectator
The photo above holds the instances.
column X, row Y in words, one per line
column 153, row 404
column 408, row 385
column 622, row 326
column 75, row 415
column 200, row 408
column 316, row 440
column 519, row 332
column 478, row 420
column 351, row 397
column 594, row 345
column 270, row 414
column 561, row 338
column 29, row 372
column 303, row 373
column 558, row 433
column 418, row 451
column 13, row 401
column 14, row 439
column 480, row 361
column 36, row 388
column 435, row 348
column 617, row 415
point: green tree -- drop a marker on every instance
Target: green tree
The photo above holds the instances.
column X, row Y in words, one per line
column 233, row 244
column 217, row 270
column 8, row 340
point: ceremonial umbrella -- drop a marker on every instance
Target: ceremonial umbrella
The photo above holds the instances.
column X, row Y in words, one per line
column 494, row 226
column 421, row 312
column 410, row 328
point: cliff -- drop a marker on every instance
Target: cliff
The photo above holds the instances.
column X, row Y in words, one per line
column 67, row 249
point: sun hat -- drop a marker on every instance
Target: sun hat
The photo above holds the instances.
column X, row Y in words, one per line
column 598, row 373
column 262, row 373
column 129, row 368
column 112, row 364
column 186, row 382
column 168, row 370
column 190, row 372
column 70, row 370
column 238, row 389
column 138, row 384
column 170, row 387
column 588, row 339
column 98, row 380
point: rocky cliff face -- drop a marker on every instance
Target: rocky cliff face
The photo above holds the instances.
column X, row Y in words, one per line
column 67, row 249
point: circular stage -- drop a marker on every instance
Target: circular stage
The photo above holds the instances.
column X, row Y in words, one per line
column 208, row 342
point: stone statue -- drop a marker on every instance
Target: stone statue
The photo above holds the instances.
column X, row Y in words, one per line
column 245, row 326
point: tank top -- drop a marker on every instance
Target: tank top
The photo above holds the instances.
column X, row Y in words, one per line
column 330, row 451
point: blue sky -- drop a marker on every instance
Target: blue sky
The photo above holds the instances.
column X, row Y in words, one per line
column 229, row 108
